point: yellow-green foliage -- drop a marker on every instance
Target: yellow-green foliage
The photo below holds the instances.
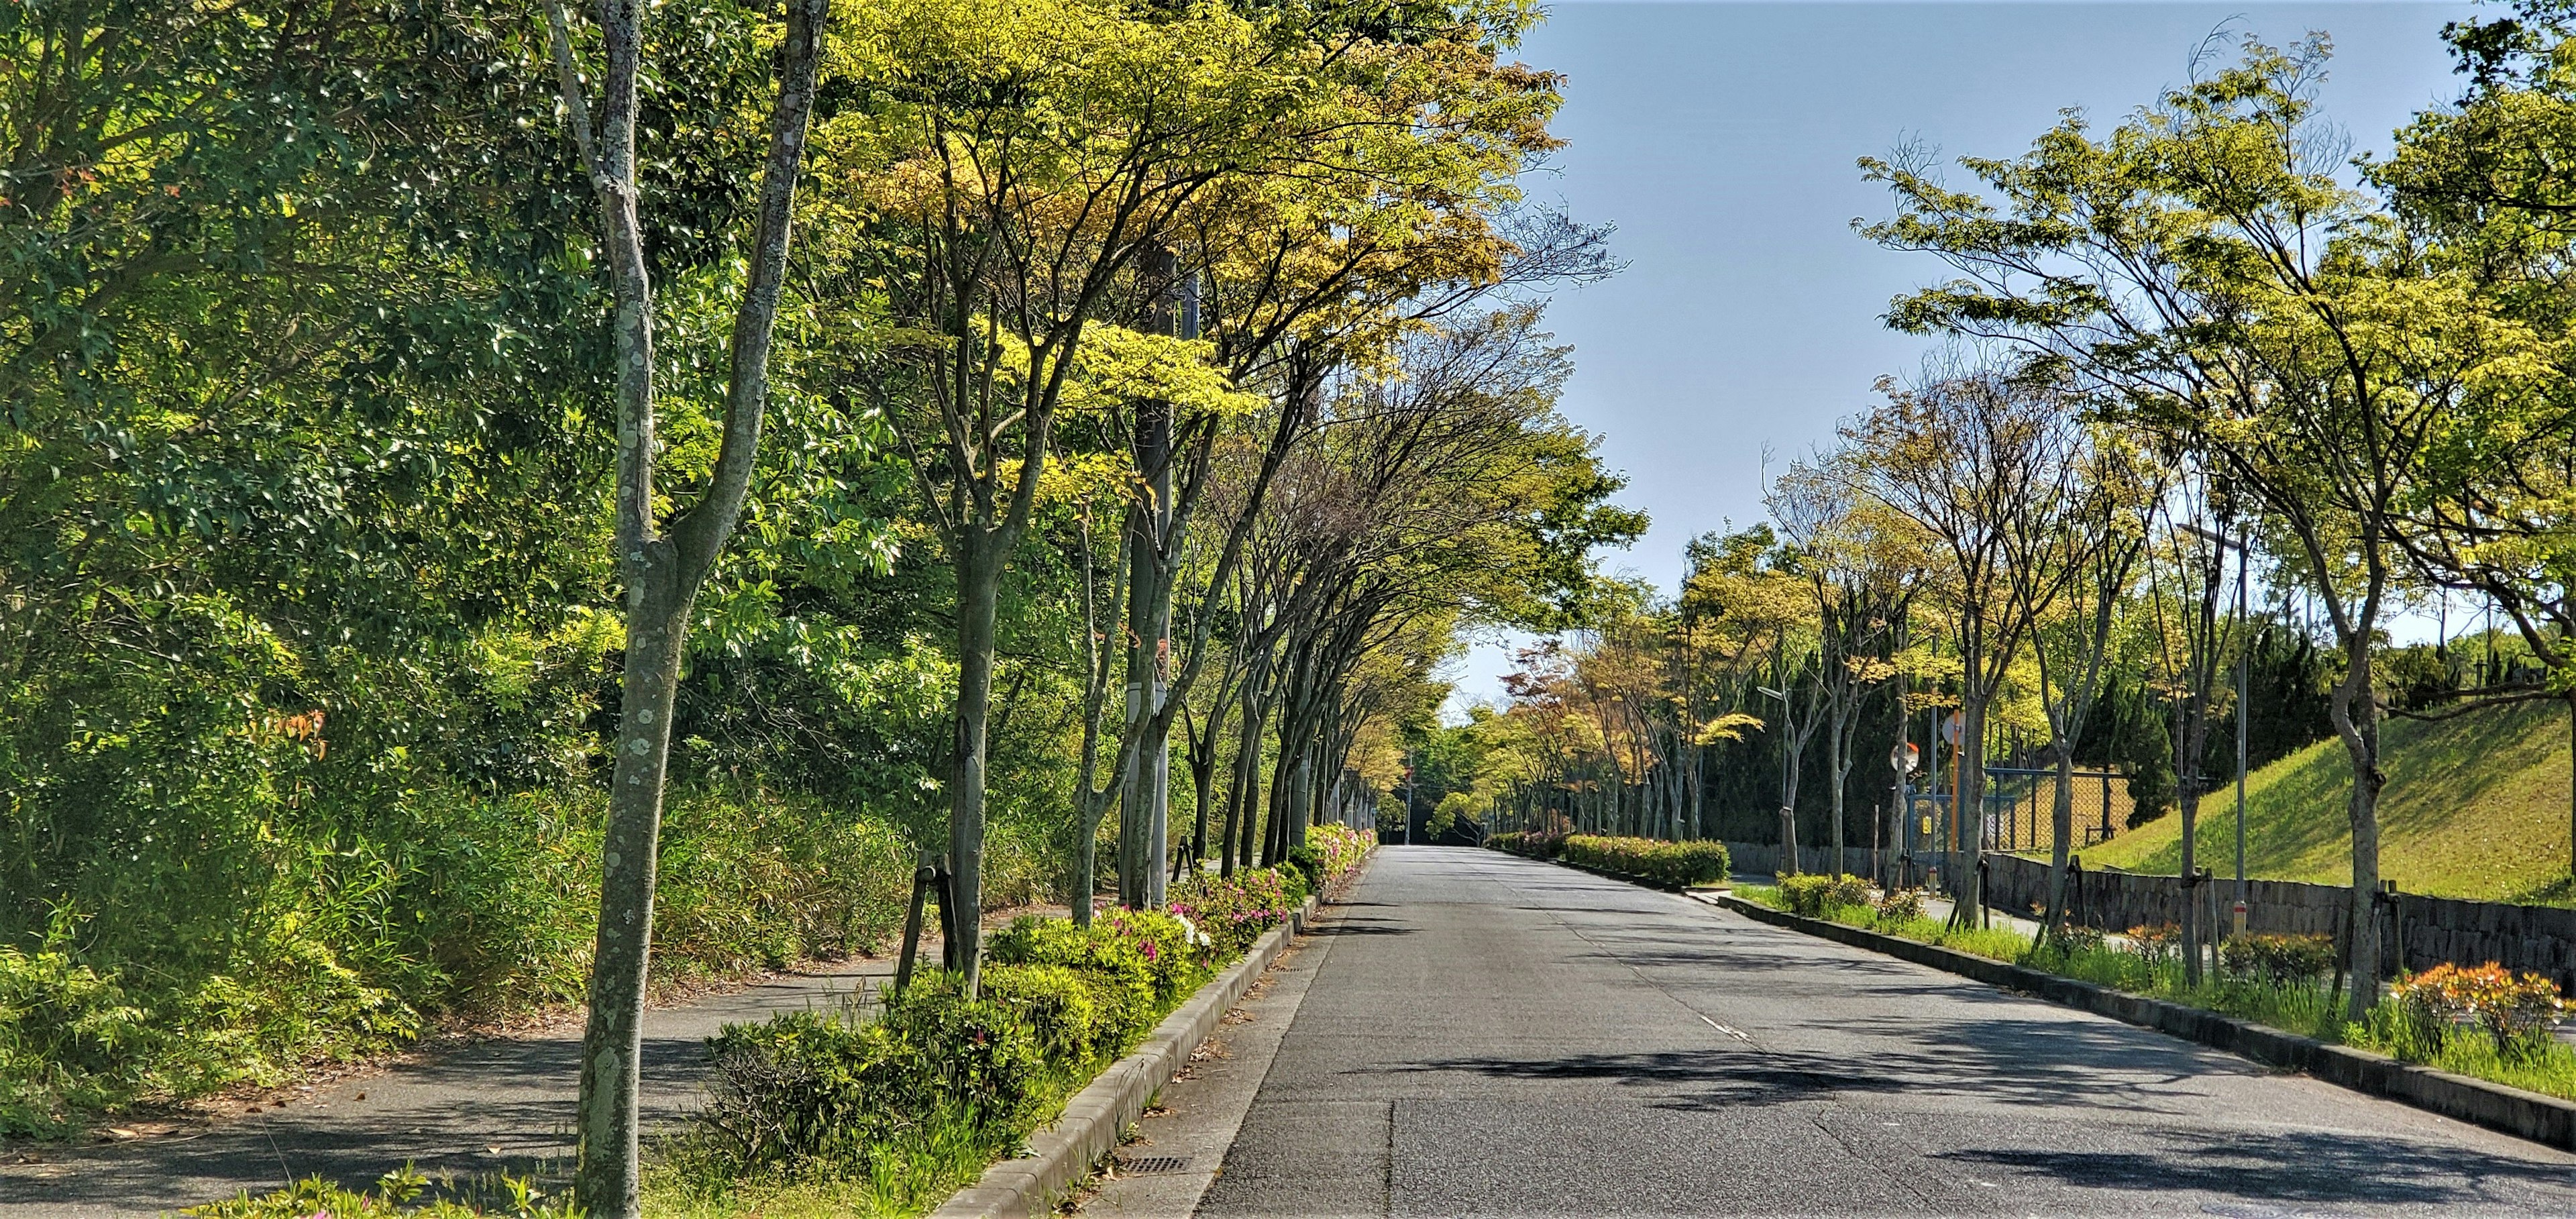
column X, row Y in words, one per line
column 1680, row 863
column 2475, row 807
column 1812, row 894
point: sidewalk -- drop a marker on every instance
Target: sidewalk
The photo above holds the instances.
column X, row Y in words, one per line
column 480, row 1108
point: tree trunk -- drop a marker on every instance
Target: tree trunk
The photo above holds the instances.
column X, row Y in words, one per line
column 979, row 570
column 1969, row 816
column 2356, row 720
column 613, row 1038
column 1840, row 768
column 2061, row 826
column 661, row 574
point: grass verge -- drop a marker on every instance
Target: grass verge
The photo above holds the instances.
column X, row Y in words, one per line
column 2307, row 1007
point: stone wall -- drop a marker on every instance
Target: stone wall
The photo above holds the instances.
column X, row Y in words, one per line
column 2430, row 930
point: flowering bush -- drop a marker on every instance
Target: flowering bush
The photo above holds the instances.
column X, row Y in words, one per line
column 2157, row 943
column 1540, row 844
column 1169, row 954
column 1234, row 910
column 1679, row 863
column 1338, row 850
column 2513, row 1008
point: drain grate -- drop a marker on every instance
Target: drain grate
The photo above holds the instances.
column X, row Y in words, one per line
column 1146, row 1164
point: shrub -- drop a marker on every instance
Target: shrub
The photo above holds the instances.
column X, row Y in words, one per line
column 829, row 1087
column 1234, row 910
column 2278, row 958
column 1679, row 863
column 1072, row 1017
column 2074, row 938
column 1542, row 844
column 1900, row 905
column 1813, row 894
column 2515, row 1009
column 2157, row 943
column 1337, row 850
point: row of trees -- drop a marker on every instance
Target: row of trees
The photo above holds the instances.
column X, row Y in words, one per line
column 447, row 442
column 2189, row 354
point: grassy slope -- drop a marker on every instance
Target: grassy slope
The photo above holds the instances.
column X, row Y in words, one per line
column 2476, row 807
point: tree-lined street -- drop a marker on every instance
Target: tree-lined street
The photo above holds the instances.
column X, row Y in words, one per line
column 1482, row 1034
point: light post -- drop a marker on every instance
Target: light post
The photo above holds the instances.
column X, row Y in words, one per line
column 2242, row 549
column 1408, row 796
column 1788, row 814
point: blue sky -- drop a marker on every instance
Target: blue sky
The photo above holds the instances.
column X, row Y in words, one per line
column 1720, row 138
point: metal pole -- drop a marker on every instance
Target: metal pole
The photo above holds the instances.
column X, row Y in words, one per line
column 2243, row 646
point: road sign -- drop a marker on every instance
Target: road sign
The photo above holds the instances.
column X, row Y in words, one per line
column 1952, row 728
column 1905, row 758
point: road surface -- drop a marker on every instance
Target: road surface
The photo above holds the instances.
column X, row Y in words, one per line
column 1480, row 1034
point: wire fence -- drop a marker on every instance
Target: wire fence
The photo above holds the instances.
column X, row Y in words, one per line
column 2020, row 808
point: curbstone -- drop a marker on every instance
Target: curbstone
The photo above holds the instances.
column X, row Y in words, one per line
column 1062, row 1153
column 2509, row 1110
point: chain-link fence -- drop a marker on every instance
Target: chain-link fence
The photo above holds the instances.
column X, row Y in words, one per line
column 2021, row 806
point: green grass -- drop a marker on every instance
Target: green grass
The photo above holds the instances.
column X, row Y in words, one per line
column 2309, row 1008
column 2475, row 807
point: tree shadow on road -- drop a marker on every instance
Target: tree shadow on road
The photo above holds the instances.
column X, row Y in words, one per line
column 2297, row 1166
column 2020, row 1063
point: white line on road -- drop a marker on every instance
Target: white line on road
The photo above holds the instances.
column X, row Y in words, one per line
column 1723, row 1029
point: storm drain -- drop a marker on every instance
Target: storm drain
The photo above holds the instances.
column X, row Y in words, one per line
column 1146, row 1164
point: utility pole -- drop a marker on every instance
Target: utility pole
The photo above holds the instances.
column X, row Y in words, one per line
column 2244, row 645
column 1788, row 813
column 1408, row 795
column 2244, row 550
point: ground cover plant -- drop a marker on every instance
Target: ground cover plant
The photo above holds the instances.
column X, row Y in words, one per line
column 887, row 1112
column 2467, row 798
column 400, row 1194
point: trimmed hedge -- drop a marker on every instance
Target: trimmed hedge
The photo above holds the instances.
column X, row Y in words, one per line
column 1677, row 863
column 1538, row 844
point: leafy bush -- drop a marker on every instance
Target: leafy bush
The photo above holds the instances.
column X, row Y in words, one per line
column 1900, row 905
column 1812, row 894
column 831, row 1087
column 2278, row 958
column 1337, row 850
column 1679, row 863
column 1233, row 911
column 1162, row 952
column 1542, row 844
column 2515, row 1009
column 2157, row 943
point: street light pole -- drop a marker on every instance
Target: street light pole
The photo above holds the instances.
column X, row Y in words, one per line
column 2244, row 551
column 2243, row 647
column 1788, row 812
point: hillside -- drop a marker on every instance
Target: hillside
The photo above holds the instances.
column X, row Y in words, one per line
column 2475, row 807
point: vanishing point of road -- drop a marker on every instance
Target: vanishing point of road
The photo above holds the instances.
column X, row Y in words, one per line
column 1476, row 1034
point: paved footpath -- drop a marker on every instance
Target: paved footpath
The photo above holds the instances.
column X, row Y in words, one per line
column 1474, row 1033
column 491, row 1106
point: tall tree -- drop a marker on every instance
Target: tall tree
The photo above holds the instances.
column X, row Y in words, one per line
column 661, row 566
column 1972, row 457
column 2205, row 269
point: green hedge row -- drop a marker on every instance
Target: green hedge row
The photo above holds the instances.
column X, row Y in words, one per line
column 1679, row 863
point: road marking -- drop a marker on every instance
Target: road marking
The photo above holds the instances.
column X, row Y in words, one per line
column 1723, row 1029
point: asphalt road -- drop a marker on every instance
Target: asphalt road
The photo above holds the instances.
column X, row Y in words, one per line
column 1480, row 1034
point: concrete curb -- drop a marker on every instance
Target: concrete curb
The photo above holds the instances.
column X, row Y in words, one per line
column 2542, row 1119
column 1062, row 1153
